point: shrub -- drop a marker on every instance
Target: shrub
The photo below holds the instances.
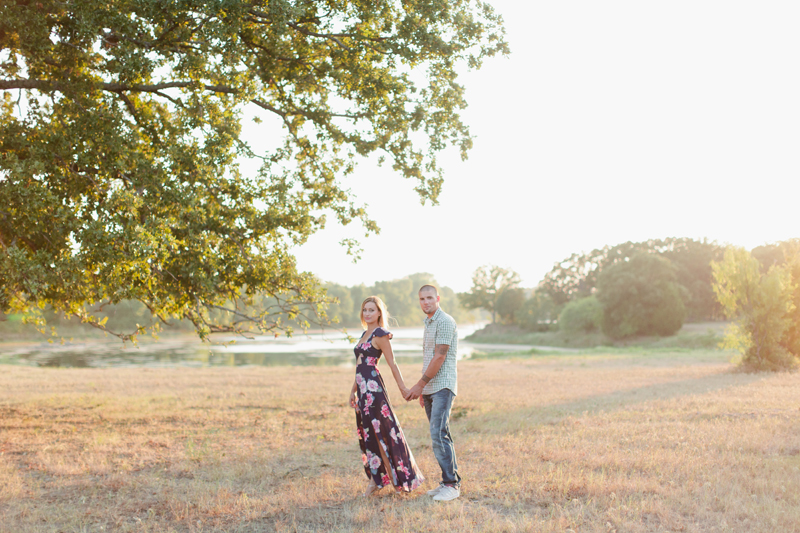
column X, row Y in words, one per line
column 763, row 307
column 641, row 297
column 581, row 316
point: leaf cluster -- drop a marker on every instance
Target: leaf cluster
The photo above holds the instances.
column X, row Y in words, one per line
column 764, row 300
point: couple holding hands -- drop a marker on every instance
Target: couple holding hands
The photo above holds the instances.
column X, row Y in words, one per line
column 387, row 458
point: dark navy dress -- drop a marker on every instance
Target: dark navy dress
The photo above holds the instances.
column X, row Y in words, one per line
column 378, row 427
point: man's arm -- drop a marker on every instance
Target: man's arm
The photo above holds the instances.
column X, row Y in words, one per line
column 439, row 355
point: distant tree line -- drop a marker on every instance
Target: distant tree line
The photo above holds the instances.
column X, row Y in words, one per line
column 343, row 310
column 634, row 288
column 653, row 287
column 644, row 288
column 401, row 298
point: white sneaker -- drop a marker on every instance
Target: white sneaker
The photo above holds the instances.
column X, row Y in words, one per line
column 436, row 491
column 447, row 493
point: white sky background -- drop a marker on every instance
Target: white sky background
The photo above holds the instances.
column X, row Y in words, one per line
column 609, row 122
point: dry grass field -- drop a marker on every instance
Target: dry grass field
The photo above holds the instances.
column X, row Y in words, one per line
column 625, row 441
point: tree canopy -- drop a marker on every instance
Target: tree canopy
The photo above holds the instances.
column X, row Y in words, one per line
column 581, row 316
column 576, row 277
column 121, row 141
column 509, row 303
column 488, row 284
column 641, row 296
column 537, row 313
column 760, row 291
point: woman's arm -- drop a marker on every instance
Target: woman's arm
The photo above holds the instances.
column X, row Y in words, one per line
column 385, row 346
column 352, row 399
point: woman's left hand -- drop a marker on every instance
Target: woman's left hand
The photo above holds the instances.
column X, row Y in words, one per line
column 353, row 402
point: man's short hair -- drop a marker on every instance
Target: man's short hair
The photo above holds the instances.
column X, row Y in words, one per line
column 429, row 287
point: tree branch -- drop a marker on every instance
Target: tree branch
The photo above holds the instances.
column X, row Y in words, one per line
column 119, row 88
column 329, row 36
column 47, row 85
column 262, row 104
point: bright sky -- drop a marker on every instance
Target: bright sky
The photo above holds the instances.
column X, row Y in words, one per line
column 609, row 122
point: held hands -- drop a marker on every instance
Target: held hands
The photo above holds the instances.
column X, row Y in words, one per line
column 353, row 403
column 414, row 392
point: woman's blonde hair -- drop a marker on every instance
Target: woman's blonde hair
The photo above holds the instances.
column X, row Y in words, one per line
column 383, row 320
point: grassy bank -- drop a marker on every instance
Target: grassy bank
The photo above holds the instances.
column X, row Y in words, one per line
column 13, row 330
column 706, row 335
column 599, row 442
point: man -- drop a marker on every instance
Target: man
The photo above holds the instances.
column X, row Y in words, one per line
column 437, row 388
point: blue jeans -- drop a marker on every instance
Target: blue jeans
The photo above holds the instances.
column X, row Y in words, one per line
column 437, row 407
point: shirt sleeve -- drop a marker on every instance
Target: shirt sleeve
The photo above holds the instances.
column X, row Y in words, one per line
column 445, row 330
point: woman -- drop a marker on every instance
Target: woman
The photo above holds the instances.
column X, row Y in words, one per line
column 387, row 458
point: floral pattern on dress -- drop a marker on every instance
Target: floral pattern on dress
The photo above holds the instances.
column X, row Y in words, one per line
column 386, row 456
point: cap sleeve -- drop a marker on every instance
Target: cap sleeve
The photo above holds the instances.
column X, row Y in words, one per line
column 380, row 332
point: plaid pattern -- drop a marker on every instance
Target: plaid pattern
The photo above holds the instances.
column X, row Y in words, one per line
column 440, row 329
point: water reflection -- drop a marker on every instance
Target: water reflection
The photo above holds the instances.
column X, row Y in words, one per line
column 326, row 349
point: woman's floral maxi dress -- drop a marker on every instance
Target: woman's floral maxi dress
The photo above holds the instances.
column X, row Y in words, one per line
column 378, row 426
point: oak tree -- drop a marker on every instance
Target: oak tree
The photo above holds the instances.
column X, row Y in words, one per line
column 488, row 283
column 122, row 146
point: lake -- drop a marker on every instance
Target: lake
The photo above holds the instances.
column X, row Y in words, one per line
column 330, row 348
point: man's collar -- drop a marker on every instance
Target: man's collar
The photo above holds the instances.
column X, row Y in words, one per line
column 430, row 319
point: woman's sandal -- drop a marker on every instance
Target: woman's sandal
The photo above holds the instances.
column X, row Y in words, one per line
column 372, row 488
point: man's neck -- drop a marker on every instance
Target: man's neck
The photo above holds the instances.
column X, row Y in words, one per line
column 430, row 315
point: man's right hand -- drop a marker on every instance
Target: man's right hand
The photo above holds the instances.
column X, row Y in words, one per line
column 416, row 391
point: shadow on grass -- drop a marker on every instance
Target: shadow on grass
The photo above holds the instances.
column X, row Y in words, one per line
column 609, row 402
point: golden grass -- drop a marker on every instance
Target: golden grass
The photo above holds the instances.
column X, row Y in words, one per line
column 602, row 442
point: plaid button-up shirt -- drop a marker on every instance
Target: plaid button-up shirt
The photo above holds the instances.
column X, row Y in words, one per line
column 440, row 329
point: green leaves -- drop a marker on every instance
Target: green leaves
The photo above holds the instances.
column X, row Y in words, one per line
column 581, row 316
column 762, row 299
column 119, row 160
column 640, row 296
column 576, row 277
